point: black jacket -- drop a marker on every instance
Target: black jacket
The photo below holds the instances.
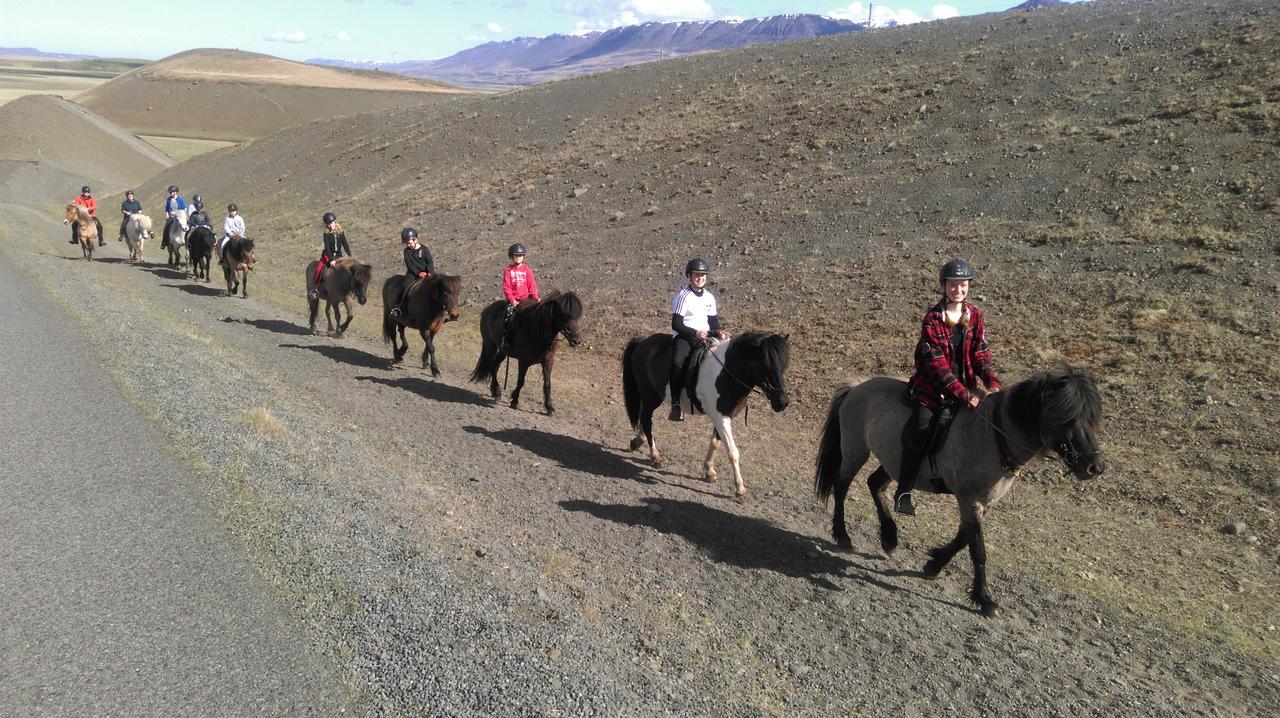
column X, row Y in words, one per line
column 334, row 244
column 419, row 260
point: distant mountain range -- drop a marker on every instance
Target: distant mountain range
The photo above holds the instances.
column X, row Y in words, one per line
column 530, row 60
column 34, row 53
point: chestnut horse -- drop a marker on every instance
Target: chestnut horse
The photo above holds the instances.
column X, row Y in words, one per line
column 536, row 329
column 237, row 262
column 86, row 228
column 340, row 281
column 430, row 304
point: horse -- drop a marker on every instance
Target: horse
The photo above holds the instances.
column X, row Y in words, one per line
column 237, row 262
column 85, row 228
column 342, row 279
column 200, row 250
column 536, row 329
column 1054, row 411
column 430, row 304
column 728, row 374
column 137, row 229
column 175, row 236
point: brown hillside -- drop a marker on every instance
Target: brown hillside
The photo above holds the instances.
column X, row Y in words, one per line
column 52, row 146
column 1110, row 168
column 235, row 95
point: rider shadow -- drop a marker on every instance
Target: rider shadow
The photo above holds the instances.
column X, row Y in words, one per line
column 278, row 326
column 728, row 538
column 433, row 390
column 344, row 355
column 163, row 272
column 200, row 290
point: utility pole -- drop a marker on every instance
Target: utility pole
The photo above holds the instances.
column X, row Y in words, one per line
column 870, row 7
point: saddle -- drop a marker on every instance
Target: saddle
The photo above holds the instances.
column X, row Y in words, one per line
column 689, row 375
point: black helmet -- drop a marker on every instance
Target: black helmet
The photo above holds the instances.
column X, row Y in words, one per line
column 128, row 192
column 232, row 207
column 84, row 189
column 329, row 218
column 195, row 197
column 407, row 234
column 696, row 265
column 173, row 188
column 955, row 269
column 516, row 249
column 198, row 205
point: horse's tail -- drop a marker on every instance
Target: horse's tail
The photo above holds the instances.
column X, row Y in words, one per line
column 486, row 366
column 630, row 384
column 829, row 454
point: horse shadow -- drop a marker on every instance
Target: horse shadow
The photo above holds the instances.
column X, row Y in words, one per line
column 164, row 272
column 569, row 452
column 278, row 326
column 433, row 390
column 200, row 290
column 344, row 355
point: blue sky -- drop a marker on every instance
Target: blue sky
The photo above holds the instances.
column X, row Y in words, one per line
column 386, row 30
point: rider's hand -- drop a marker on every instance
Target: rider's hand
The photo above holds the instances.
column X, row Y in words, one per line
column 422, row 275
column 702, row 335
column 974, row 400
column 722, row 335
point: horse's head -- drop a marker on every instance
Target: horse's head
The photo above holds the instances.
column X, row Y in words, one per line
column 1069, row 411
column 143, row 224
column 449, row 293
column 247, row 257
column 70, row 216
column 361, row 275
column 761, row 360
column 568, row 310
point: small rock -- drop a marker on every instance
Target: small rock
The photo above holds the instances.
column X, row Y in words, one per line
column 481, row 553
column 578, row 192
column 798, row 669
column 1262, row 396
column 1235, row 529
column 1036, row 147
column 618, row 216
column 650, row 210
column 543, row 595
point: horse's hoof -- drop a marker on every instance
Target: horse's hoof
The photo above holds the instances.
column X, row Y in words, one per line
column 657, row 462
column 889, row 541
column 636, row 443
column 844, row 543
column 514, row 404
column 741, row 494
column 931, row 570
column 990, row 609
column 711, row 478
column 551, row 411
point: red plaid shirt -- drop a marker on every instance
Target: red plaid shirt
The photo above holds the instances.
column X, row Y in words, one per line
column 940, row 374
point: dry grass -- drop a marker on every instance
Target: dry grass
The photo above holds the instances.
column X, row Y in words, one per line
column 262, row 421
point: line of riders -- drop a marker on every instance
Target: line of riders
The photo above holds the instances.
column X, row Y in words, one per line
column 952, row 359
column 232, row 225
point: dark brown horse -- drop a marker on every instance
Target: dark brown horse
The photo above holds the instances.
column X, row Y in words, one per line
column 237, row 262
column 340, row 281
column 724, row 381
column 1057, row 411
column 536, row 329
column 200, row 249
column 430, row 304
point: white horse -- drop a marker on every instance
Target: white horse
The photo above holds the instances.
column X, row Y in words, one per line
column 176, row 236
column 136, row 231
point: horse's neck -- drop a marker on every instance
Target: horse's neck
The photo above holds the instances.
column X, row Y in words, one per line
column 1016, row 413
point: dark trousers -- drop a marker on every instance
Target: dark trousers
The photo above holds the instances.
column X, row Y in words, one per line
column 915, row 437
column 683, row 348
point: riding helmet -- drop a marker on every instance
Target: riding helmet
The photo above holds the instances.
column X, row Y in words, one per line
column 955, row 269
column 173, row 188
column 329, row 218
column 232, row 207
column 198, row 205
column 195, row 197
column 84, row 189
column 698, row 266
column 407, row 234
column 516, row 249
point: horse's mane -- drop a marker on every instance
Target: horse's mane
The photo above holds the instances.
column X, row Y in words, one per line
column 773, row 347
column 1060, row 397
column 554, row 304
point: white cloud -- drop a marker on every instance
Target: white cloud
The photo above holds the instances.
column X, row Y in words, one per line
column 882, row 15
column 608, row 14
column 295, row 36
column 943, row 12
column 342, row 36
column 494, row 28
column 670, row 9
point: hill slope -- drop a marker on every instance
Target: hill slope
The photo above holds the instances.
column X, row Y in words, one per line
column 234, row 95
column 53, row 146
column 1109, row 168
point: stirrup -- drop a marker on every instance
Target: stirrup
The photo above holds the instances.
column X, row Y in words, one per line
column 904, row 505
column 315, row 294
column 395, row 312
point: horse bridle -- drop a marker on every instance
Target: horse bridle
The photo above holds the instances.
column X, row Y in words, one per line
column 763, row 388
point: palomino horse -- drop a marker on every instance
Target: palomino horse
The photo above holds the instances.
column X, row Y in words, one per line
column 1056, row 411
column 200, row 249
column 340, row 281
column 536, row 329
column 137, row 229
column 724, row 382
column 237, row 262
column 175, row 236
column 86, row 228
column 431, row 303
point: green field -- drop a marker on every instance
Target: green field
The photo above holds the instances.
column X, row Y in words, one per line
column 182, row 149
column 21, row 76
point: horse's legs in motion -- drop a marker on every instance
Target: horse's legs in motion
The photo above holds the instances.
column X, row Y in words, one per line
column 515, row 393
column 878, row 483
column 331, row 309
column 724, row 427
column 314, row 304
column 430, row 351
column 644, row 427
column 337, row 312
column 399, row 350
column 244, row 284
column 547, row 362
column 978, row 552
column 709, row 463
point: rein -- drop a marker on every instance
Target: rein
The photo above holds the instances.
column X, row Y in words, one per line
column 764, row 385
column 1007, row 460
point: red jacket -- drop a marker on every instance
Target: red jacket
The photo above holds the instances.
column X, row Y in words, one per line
column 518, row 283
column 940, row 374
column 89, row 204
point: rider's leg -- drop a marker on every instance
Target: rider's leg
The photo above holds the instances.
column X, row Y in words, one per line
column 123, row 223
column 102, row 240
column 315, row 281
column 75, row 238
column 409, row 281
column 678, row 361
column 914, row 436
column 506, row 327
column 164, row 234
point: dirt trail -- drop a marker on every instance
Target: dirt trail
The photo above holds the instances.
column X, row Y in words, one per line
column 457, row 557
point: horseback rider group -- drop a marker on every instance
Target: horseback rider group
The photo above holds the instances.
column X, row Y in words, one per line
column 335, row 243
column 418, row 265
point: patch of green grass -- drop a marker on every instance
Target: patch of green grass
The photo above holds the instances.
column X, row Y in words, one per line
column 182, row 149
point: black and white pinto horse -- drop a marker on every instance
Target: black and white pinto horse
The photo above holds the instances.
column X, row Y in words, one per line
column 728, row 374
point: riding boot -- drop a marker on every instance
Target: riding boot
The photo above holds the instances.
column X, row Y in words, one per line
column 910, row 466
column 677, row 386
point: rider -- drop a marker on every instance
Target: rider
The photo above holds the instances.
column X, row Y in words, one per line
column 172, row 204
column 128, row 208
column 518, row 285
column 693, row 320
column 335, row 241
column 86, row 200
column 198, row 218
column 232, row 226
column 418, row 266
column 951, row 356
